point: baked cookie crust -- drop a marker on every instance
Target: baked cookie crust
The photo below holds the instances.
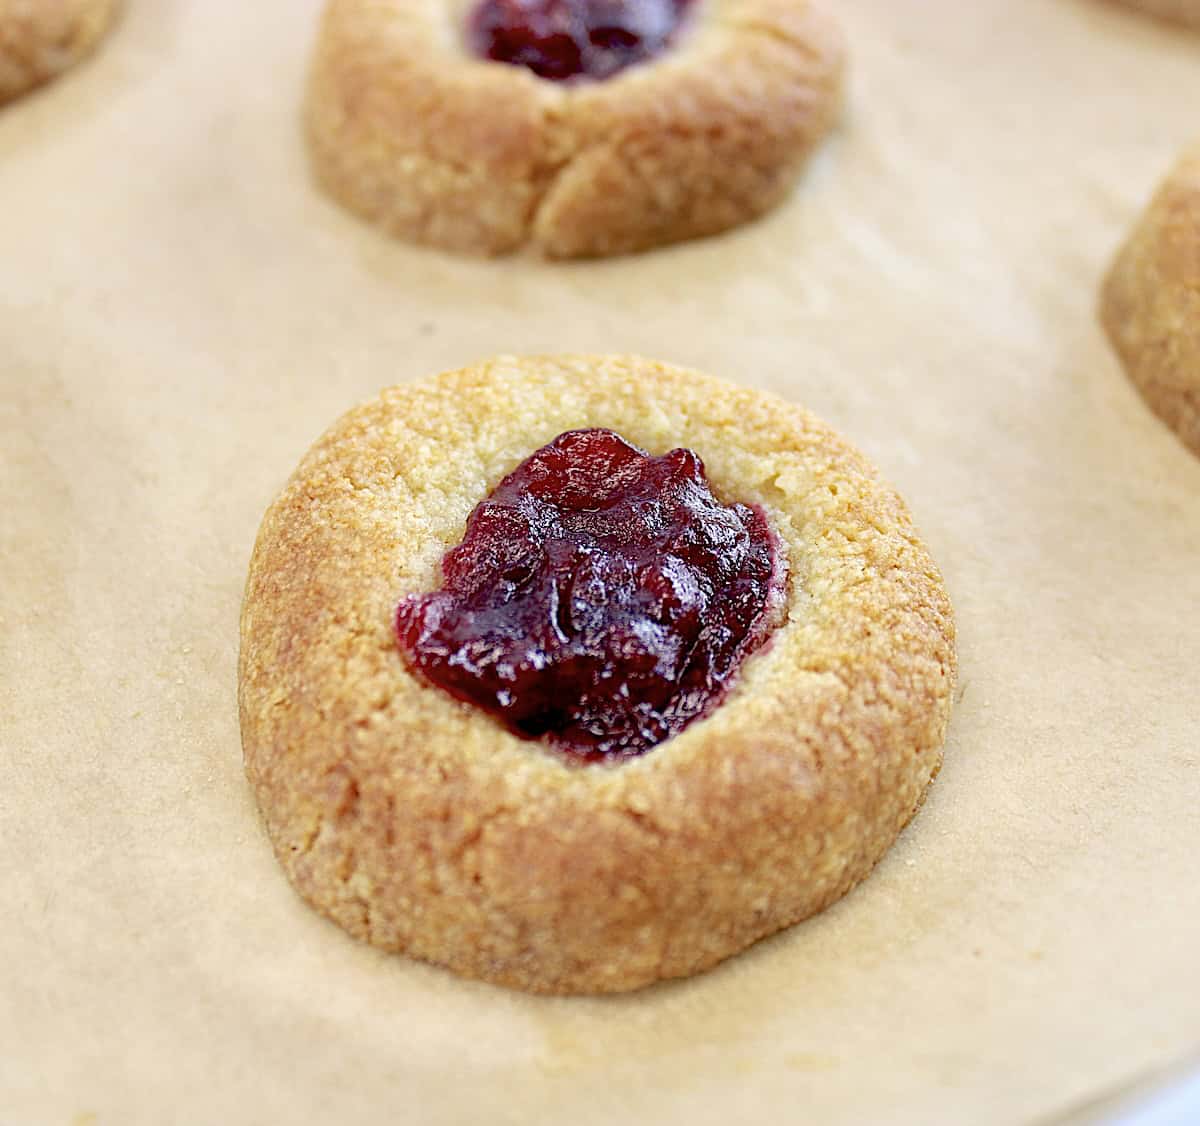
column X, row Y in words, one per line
column 420, row 825
column 1186, row 12
column 412, row 133
column 1150, row 302
column 40, row 39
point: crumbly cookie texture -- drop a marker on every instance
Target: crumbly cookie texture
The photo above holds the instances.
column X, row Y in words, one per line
column 1186, row 12
column 437, row 147
column 420, row 825
column 1150, row 303
column 39, row 39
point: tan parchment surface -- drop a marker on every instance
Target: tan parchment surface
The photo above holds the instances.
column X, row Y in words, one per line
column 181, row 315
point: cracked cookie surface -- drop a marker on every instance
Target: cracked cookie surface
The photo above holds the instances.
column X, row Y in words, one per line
column 1150, row 302
column 40, row 39
column 421, row 825
column 411, row 132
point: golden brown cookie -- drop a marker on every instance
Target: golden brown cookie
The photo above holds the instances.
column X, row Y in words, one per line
column 421, row 825
column 1186, row 12
column 39, row 39
column 1150, row 303
column 433, row 145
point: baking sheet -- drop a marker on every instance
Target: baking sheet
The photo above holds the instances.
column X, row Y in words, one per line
column 181, row 315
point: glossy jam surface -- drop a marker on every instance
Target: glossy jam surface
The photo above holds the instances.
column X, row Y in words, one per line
column 564, row 39
column 601, row 598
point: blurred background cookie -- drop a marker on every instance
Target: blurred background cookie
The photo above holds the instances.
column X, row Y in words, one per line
column 39, row 39
column 577, row 127
column 1150, row 302
column 1185, row 12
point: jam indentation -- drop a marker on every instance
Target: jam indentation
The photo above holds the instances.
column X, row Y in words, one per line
column 601, row 598
column 565, row 39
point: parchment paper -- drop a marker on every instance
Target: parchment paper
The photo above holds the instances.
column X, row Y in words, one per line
column 181, row 315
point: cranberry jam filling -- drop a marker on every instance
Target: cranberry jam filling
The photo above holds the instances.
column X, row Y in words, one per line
column 563, row 39
column 601, row 598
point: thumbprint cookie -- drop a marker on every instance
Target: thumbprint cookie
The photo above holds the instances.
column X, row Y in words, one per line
column 579, row 128
column 576, row 673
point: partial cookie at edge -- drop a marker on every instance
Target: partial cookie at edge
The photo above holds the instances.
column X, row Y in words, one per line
column 41, row 39
column 436, row 147
column 1185, row 12
column 1150, row 302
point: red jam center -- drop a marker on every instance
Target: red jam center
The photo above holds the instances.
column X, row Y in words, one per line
column 601, row 598
column 563, row 39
